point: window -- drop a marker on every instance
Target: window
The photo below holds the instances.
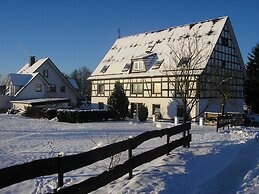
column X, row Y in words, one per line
column 157, row 88
column 224, row 41
column 137, row 88
column 51, row 88
column 223, row 64
column 38, row 88
column 157, row 64
column 138, row 65
column 184, row 61
column 45, row 73
column 100, row 89
column 126, row 67
column 63, row 89
column 100, row 105
column 155, row 108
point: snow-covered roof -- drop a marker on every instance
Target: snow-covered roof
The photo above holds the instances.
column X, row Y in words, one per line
column 40, row 100
column 31, row 69
column 129, row 48
column 19, row 79
column 73, row 83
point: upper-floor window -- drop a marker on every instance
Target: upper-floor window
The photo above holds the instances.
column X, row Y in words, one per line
column 63, row 89
column 137, row 88
column 100, row 88
column 51, row 88
column 156, row 88
column 45, row 73
column 38, row 88
column 224, row 41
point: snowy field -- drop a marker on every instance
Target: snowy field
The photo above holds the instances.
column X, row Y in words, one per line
column 224, row 162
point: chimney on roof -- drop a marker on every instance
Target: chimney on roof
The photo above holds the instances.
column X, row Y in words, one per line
column 31, row 60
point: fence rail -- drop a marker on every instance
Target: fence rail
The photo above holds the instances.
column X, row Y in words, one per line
column 60, row 165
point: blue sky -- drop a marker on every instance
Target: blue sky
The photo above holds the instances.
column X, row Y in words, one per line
column 76, row 33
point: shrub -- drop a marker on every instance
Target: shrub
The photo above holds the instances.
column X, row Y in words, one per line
column 50, row 113
column 142, row 113
column 33, row 112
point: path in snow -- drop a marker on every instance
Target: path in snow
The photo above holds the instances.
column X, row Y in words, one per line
column 230, row 178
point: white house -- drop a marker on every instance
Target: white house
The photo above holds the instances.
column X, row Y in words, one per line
column 40, row 83
column 143, row 64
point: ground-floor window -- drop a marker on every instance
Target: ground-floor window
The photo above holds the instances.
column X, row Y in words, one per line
column 155, row 108
column 133, row 108
column 100, row 105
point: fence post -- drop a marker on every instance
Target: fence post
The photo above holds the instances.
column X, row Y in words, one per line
column 168, row 141
column 60, row 173
column 188, row 133
column 130, row 156
column 184, row 134
column 217, row 127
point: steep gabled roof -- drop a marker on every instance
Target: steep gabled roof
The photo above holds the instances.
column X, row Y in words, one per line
column 19, row 79
column 27, row 69
column 126, row 49
column 33, row 76
column 31, row 69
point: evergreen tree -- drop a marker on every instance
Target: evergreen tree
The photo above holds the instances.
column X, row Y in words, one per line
column 118, row 102
column 252, row 85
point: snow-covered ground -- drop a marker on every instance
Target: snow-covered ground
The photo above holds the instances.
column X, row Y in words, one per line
column 224, row 162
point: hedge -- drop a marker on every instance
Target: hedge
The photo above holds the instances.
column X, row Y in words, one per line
column 82, row 116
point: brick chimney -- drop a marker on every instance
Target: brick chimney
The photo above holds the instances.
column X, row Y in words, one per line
column 31, row 60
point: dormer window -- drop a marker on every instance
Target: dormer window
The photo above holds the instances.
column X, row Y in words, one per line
column 105, row 68
column 126, row 67
column 157, row 64
column 184, row 61
column 45, row 73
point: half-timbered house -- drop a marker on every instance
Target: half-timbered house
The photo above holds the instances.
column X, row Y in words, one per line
column 141, row 64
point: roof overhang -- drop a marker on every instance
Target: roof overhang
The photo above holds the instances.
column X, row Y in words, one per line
column 42, row 101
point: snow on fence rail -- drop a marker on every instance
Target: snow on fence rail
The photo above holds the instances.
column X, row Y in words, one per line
column 60, row 165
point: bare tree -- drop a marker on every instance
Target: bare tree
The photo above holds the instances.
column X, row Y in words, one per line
column 187, row 58
column 223, row 88
column 81, row 75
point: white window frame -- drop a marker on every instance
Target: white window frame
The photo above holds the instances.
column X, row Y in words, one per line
column 100, row 89
column 157, row 88
column 138, row 65
column 38, row 87
column 137, row 88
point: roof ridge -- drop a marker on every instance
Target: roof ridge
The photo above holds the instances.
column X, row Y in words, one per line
column 170, row 28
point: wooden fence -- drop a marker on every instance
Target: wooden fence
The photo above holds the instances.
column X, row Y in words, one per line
column 60, row 165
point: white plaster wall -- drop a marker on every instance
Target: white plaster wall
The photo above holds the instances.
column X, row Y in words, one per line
column 168, row 107
column 54, row 77
column 29, row 91
column 232, row 105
